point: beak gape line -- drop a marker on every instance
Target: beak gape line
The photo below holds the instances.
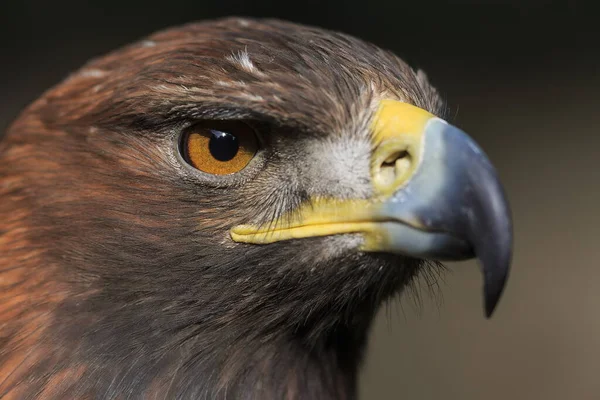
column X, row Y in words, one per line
column 437, row 196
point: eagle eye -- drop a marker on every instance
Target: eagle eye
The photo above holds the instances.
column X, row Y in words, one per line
column 219, row 147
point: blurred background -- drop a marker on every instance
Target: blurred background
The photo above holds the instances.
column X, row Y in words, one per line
column 523, row 79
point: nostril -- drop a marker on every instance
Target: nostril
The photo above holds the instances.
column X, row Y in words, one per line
column 393, row 167
column 391, row 160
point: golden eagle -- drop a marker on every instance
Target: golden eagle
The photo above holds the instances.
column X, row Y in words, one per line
column 217, row 212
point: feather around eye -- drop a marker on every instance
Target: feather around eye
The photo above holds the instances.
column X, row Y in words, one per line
column 219, row 147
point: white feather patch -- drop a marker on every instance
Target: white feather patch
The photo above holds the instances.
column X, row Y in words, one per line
column 242, row 59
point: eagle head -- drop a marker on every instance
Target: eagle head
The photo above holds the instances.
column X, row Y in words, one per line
column 218, row 211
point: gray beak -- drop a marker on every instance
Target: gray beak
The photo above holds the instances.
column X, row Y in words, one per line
column 454, row 208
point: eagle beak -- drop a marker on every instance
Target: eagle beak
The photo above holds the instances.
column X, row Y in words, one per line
column 451, row 204
column 436, row 196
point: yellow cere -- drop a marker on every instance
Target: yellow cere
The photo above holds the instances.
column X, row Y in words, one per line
column 397, row 134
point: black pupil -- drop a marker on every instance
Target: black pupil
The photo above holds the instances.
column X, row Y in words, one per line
column 222, row 145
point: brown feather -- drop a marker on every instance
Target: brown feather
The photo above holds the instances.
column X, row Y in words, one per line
column 117, row 275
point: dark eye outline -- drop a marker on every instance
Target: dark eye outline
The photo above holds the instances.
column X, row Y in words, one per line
column 185, row 152
column 256, row 164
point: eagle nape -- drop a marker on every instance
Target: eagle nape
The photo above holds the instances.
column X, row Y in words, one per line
column 218, row 211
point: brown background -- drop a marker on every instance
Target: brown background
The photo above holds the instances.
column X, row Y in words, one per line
column 523, row 79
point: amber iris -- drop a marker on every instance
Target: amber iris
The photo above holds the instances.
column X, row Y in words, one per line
column 219, row 147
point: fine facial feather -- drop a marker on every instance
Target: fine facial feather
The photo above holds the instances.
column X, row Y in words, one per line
column 117, row 275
